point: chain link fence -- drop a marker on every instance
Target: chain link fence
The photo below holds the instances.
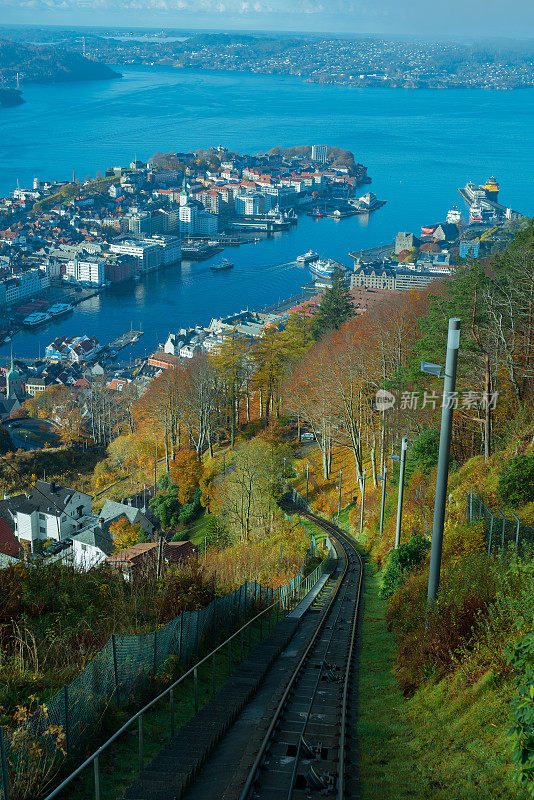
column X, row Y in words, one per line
column 502, row 534
column 123, row 671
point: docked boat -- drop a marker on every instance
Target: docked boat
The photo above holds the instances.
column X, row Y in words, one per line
column 311, row 255
column 454, row 216
column 323, row 268
column 59, row 309
column 475, row 213
column 224, row 264
column 37, row 318
column 316, row 213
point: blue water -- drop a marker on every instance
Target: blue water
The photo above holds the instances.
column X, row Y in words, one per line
column 419, row 147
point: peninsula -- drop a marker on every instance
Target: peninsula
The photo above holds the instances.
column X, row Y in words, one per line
column 29, row 63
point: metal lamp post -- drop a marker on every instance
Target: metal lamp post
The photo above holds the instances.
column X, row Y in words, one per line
column 402, row 460
column 362, row 489
column 383, row 502
column 451, row 362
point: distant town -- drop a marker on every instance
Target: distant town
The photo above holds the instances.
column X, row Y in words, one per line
column 361, row 61
column 62, row 242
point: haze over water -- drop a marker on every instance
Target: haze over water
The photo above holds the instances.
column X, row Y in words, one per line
column 419, row 146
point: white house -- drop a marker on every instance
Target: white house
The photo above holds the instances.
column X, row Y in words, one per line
column 49, row 511
column 89, row 548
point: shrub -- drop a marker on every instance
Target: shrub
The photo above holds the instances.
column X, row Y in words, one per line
column 423, row 453
column 521, row 657
column 190, row 511
column 405, row 558
column 516, row 481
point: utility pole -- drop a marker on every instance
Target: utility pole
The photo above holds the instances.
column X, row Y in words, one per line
column 362, row 489
column 339, row 495
column 451, row 362
column 307, row 481
column 156, row 468
column 383, row 479
column 404, row 445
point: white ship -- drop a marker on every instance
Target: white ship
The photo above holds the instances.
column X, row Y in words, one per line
column 475, row 213
column 311, row 255
column 37, row 318
column 454, row 216
column 59, row 309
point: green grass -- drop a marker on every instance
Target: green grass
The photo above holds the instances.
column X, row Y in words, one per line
column 198, row 530
column 447, row 742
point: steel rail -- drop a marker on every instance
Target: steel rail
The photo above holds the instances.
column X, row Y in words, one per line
column 345, row 542
column 348, row 671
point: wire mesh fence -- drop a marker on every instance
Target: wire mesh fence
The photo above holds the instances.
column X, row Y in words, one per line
column 502, row 534
column 123, row 670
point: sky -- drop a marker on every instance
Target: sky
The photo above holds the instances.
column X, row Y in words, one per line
column 469, row 18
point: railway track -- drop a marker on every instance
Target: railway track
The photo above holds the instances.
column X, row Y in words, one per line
column 290, row 739
column 303, row 753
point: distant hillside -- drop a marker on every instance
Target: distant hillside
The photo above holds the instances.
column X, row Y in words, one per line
column 336, row 155
column 36, row 64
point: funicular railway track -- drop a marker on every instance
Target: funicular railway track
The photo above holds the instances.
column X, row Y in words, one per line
column 290, row 741
column 303, row 753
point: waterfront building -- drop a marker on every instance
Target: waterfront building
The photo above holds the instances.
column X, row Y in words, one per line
column 194, row 220
column 72, row 349
column 249, row 205
column 319, row 153
column 147, row 253
column 170, row 246
column 90, row 272
column 400, row 279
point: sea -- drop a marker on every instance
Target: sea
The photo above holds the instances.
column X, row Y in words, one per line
column 419, row 147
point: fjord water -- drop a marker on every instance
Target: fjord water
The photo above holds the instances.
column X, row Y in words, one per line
column 419, row 146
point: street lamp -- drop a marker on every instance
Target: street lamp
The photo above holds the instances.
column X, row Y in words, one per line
column 402, row 460
column 362, row 490
column 383, row 502
column 451, row 362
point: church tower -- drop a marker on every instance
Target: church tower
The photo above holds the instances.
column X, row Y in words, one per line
column 13, row 383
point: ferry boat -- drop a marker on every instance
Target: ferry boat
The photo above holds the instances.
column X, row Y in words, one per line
column 316, row 213
column 454, row 216
column 224, row 264
column 37, row 318
column 311, row 255
column 59, row 309
column 323, row 269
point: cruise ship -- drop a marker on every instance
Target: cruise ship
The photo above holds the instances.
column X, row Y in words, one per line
column 37, row 318
column 475, row 213
column 311, row 255
column 323, row 269
column 59, row 309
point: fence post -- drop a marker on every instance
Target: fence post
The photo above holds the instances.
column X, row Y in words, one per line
column 115, row 668
column 154, row 666
column 3, row 764
column 67, row 725
column 470, row 506
column 96, row 771
column 516, row 533
column 196, row 632
column 180, row 641
column 141, row 744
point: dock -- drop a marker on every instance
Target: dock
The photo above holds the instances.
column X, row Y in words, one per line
column 126, row 339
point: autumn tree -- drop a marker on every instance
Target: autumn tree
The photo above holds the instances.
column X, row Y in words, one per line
column 186, row 473
column 125, row 534
column 233, row 365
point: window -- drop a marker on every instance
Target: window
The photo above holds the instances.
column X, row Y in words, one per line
column 42, row 516
column 84, row 547
column 42, row 529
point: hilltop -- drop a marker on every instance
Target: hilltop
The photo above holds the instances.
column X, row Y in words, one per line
column 40, row 64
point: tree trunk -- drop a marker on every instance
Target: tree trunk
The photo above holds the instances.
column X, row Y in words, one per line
column 487, row 415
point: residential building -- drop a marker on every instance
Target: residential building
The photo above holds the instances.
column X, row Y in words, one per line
column 141, row 560
column 140, row 224
column 49, row 511
column 90, row 272
column 113, row 510
column 319, row 153
column 249, row 205
column 73, row 349
column 89, row 548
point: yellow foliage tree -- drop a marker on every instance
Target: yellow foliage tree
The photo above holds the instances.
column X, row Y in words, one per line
column 124, row 533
